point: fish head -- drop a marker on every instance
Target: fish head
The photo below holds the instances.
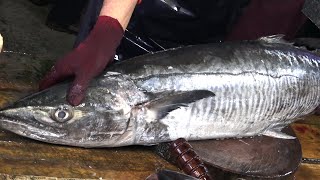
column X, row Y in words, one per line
column 46, row 116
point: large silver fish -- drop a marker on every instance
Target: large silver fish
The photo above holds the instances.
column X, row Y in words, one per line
column 224, row 90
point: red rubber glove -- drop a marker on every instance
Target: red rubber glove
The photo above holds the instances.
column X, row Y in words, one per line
column 87, row 60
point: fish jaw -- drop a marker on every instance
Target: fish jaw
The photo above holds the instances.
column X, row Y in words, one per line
column 91, row 129
column 85, row 132
column 22, row 122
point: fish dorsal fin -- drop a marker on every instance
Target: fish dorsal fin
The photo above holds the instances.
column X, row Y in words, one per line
column 302, row 43
column 161, row 106
column 277, row 38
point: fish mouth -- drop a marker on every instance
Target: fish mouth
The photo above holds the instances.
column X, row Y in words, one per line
column 33, row 129
column 30, row 131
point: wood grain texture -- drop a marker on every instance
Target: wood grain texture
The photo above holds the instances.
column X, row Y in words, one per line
column 309, row 136
column 21, row 156
column 308, row 172
column 308, row 132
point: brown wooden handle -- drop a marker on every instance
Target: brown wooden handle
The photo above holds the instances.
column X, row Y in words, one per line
column 188, row 160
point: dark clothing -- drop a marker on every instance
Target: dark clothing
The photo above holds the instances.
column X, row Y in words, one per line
column 163, row 24
column 160, row 24
column 183, row 22
column 268, row 17
column 189, row 22
column 65, row 13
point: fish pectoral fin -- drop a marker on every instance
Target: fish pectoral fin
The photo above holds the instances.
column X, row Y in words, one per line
column 277, row 134
column 161, row 106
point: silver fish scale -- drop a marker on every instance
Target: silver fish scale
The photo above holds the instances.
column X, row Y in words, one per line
column 258, row 89
column 247, row 107
column 241, row 58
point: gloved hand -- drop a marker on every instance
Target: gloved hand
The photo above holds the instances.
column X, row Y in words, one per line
column 87, row 60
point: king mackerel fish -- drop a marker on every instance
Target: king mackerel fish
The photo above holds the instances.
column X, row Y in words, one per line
column 212, row 91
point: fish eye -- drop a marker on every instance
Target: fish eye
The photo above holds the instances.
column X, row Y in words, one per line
column 62, row 114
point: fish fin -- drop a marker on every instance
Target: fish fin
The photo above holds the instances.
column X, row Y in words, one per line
column 163, row 105
column 277, row 38
column 277, row 134
column 309, row 44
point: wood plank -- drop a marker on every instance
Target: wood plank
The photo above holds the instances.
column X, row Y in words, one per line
column 308, row 172
column 308, row 132
column 309, row 137
column 21, row 156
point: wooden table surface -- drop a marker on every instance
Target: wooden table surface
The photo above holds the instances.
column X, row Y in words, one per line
column 21, row 156
column 308, row 133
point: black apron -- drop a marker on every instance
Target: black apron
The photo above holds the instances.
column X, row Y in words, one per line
column 161, row 24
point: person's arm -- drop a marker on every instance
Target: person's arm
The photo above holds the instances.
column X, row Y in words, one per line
column 119, row 9
column 91, row 56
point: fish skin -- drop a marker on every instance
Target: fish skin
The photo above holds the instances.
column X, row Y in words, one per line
column 248, row 88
